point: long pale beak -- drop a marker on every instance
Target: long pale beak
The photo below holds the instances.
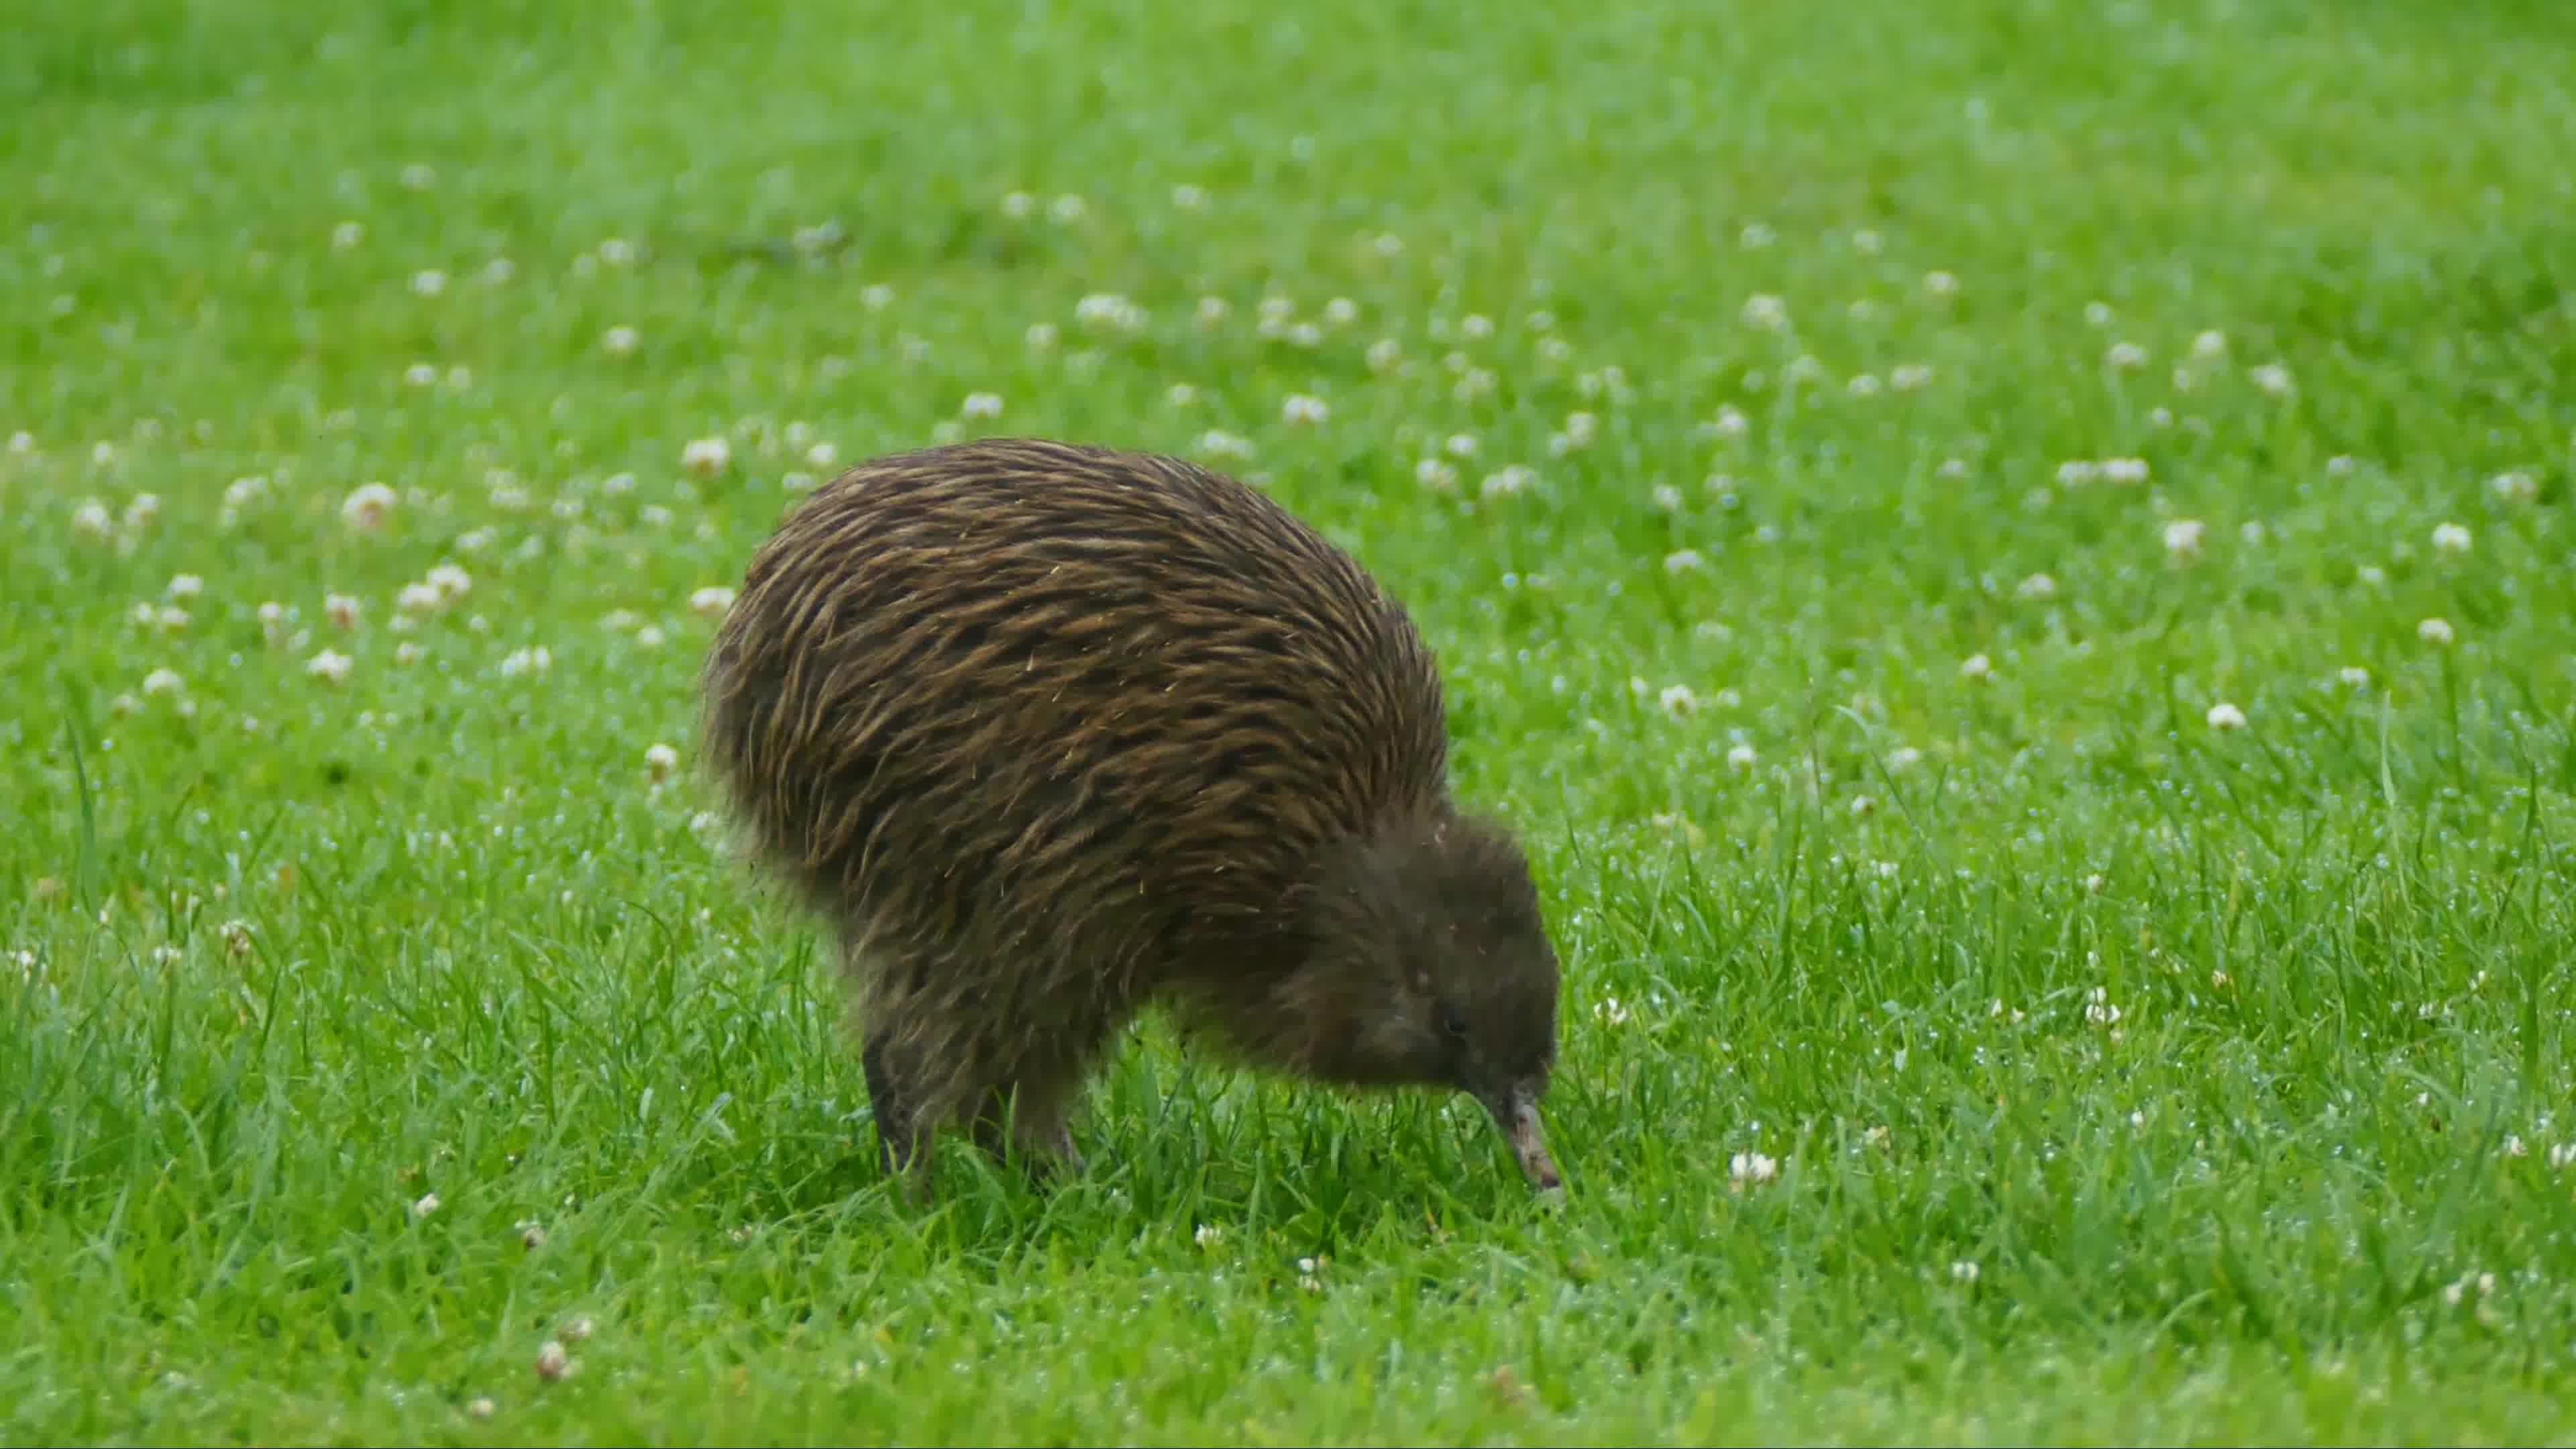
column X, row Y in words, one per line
column 1517, row 1114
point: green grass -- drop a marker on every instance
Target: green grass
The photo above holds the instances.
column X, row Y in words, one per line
column 2305, row 1187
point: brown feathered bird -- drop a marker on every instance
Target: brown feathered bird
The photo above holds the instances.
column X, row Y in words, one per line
column 1050, row 733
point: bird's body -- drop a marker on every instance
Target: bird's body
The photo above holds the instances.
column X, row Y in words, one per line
column 1049, row 734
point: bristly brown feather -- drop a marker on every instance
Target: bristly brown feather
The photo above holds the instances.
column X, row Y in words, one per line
column 1049, row 733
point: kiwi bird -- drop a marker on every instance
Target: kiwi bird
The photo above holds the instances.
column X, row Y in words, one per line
column 1048, row 735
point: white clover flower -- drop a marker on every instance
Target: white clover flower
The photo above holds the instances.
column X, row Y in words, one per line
column 368, row 508
column 1303, row 409
column 2225, row 716
column 451, row 582
column 711, row 602
column 2451, row 538
column 2436, row 632
column 2515, row 487
column 981, row 405
column 1109, row 311
column 330, row 666
column 660, row 761
column 2183, row 539
column 620, row 341
column 706, row 457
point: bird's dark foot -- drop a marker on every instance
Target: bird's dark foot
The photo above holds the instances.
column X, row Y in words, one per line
column 903, row 1143
column 1043, row 1150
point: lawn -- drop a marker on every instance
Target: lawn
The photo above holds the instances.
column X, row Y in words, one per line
column 2009, row 557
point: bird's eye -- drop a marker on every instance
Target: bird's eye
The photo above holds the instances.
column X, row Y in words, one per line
column 1451, row 1022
